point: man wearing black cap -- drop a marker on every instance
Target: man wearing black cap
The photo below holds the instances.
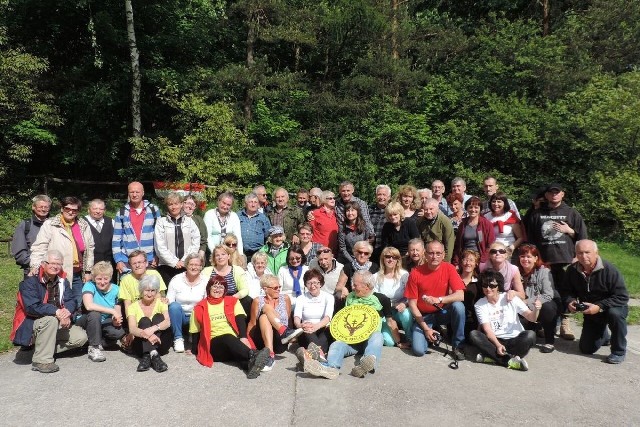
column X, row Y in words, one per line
column 555, row 229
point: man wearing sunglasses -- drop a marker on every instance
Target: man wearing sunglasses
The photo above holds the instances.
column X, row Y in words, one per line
column 330, row 269
column 435, row 292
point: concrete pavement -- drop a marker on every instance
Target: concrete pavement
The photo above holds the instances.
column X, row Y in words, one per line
column 560, row 388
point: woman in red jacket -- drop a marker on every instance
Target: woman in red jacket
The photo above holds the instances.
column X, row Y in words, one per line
column 475, row 232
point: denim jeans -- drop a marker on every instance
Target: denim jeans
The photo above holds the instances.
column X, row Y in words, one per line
column 405, row 321
column 453, row 313
column 339, row 350
column 179, row 319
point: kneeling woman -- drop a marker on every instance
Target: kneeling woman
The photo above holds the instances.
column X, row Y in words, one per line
column 221, row 324
column 503, row 339
column 149, row 323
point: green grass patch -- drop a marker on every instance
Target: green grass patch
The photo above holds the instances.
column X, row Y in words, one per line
column 627, row 260
column 10, row 277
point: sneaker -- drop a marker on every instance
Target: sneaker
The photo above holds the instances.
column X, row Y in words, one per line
column 615, row 359
column 303, row 354
column 145, row 363
column 95, row 354
column 317, row 369
column 257, row 361
column 45, row 368
column 367, row 364
column 158, row 364
column 316, row 352
column 458, row 354
column 484, row 359
column 269, row 365
column 178, row 345
column 518, row 364
column 290, row 334
column 547, row 348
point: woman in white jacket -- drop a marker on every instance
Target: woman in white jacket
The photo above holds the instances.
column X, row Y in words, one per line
column 222, row 221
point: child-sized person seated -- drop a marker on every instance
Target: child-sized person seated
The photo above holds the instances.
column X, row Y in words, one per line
column 102, row 318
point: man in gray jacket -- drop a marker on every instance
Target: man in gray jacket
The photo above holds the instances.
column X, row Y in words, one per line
column 27, row 231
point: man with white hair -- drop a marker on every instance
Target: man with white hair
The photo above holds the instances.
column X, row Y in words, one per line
column 438, row 191
column 378, row 218
column 459, row 186
column 27, row 231
column 44, row 312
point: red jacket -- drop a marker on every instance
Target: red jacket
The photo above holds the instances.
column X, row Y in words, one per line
column 201, row 313
column 486, row 237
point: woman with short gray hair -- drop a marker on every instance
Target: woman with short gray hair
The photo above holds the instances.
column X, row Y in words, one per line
column 148, row 320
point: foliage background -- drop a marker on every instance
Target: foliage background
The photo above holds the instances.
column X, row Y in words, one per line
column 304, row 93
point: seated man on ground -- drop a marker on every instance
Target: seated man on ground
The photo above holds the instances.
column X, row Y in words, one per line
column 503, row 339
column 599, row 286
column 43, row 314
column 370, row 349
column 103, row 317
column 270, row 319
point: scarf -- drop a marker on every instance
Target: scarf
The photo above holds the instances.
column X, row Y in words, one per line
column 370, row 300
column 296, row 279
column 214, row 301
column 511, row 219
column 73, row 230
column 358, row 267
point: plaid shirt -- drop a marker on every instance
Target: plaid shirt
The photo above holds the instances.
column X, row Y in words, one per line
column 377, row 220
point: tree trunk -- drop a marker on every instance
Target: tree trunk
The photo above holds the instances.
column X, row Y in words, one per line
column 251, row 42
column 136, row 115
column 394, row 29
column 545, row 18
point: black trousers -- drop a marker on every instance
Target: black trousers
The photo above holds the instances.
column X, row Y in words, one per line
column 229, row 348
column 142, row 346
column 319, row 337
column 518, row 346
column 548, row 319
column 594, row 330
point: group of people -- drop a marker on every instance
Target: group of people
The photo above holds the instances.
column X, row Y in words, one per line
column 239, row 287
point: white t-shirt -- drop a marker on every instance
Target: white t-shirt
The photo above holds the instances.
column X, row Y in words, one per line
column 313, row 309
column 188, row 296
column 392, row 288
column 502, row 316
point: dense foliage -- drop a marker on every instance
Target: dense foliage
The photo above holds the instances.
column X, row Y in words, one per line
column 300, row 93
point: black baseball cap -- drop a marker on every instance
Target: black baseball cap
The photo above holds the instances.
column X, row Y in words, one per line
column 555, row 186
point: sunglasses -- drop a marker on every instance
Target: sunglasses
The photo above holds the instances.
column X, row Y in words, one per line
column 232, row 245
column 391, row 257
column 70, row 210
column 324, row 251
column 275, row 288
column 295, row 258
column 330, row 198
column 491, row 285
column 497, row 251
column 363, row 253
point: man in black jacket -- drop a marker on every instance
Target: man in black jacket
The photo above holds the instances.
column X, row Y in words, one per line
column 597, row 289
column 27, row 231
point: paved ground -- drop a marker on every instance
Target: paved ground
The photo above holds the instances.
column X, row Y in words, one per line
column 561, row 388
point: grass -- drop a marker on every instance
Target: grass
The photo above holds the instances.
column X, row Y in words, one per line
column 627, row 260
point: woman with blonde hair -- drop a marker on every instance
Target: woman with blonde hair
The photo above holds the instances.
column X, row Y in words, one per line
column 235, row 276
column 230, row 241
column 390, row 281
column 408, row 197
column 398, row 230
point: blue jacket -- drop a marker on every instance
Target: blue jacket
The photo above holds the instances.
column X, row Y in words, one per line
column 255, row 230
column 31, row 304
column 124, row 238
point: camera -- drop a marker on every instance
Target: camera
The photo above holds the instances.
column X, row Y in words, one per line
column 437, row 339
column 580, row 306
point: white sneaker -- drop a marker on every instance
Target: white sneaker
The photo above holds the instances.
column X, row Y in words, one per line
column 178, row 345
column 95, row 354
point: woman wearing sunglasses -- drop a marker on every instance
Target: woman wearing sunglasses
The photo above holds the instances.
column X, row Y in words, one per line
column 538, row 285
column 231, row 243
column 502, row 339
column 290, row 275
column 498, row 262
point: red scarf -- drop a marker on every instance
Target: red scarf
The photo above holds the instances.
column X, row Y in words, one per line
column 201, row 313
column 512, row 219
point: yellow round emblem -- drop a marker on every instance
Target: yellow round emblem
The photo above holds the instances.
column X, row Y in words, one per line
column 355, row 323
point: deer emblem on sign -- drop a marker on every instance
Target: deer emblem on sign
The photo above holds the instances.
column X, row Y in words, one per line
column 353, row 325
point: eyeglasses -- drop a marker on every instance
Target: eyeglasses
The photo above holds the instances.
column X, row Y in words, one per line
column 217, row 286
column 55, row 264
column 324, row 251
column 314, row 283
column 498, row 251
column 150, row 290
column 391, row 257
column 70, row 210
column 491, row 285
column 363, row 253
column 275, row 288
column 295, row 258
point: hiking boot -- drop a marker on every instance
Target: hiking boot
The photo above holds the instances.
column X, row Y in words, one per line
column 178, row 345
column 518, row 364
column 615, row 359
column 303, row 354
column 547, row 348
column 145, row 363
column 316, row 352
column 158, row 364
column 269, row 365
column 257, row 361
column 565, row 329
column 95, row 354
column 540, row 333
column 45, row 368
column 367, row 364
column 290, row 334
column 458, row 354
column 317, row 369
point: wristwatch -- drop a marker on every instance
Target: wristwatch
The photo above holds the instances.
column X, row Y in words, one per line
column 440, row 299
column 601, row 310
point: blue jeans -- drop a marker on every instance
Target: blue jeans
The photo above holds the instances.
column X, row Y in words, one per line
column 455, row 315
column 339, row 350
column 405, row 321
column 179, row 319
